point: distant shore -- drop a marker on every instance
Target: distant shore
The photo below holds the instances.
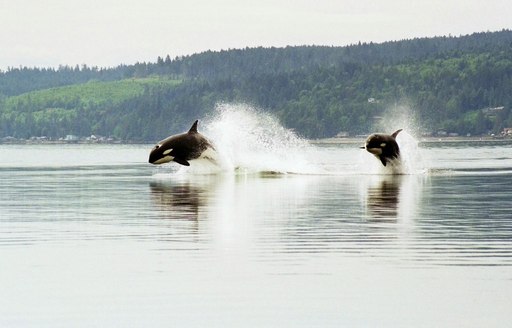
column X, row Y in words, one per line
column 341, row 141
column 64, row 142
column 425, row 140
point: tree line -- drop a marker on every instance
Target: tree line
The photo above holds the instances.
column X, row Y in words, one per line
column 456, row 84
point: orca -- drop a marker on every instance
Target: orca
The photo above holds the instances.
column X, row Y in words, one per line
column 182, row 148
column 383, row 146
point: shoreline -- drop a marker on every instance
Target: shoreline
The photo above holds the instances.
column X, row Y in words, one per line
column 324, row 141
column 420, row 140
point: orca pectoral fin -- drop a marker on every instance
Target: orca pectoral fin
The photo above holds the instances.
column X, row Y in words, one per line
column 383, row 160
column 181, row 161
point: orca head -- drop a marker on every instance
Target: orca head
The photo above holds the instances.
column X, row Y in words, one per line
column 383, row 146
column 161, row 152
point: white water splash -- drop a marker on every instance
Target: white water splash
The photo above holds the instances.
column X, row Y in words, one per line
column 410, row 155
column 250, row 141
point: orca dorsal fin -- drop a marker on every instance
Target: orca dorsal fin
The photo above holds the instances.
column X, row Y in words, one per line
column 193, row 129
column 396, row 133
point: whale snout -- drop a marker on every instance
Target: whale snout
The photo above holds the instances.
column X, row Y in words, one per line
column 377, row 151
column 162, row 160
column 159, row 155
column 372, row 149
column 156, row 158
column 154, row 154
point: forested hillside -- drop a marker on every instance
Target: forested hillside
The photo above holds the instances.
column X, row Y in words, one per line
column 456, row 84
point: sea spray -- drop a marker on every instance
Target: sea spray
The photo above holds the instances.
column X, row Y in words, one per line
column 410, row 155
column 251, row 141
column 402, row 116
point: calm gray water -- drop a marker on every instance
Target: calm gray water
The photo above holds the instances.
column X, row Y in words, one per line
column 93, row 236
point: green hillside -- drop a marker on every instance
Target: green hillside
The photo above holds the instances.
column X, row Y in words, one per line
column 79, row 109
column 454, row 84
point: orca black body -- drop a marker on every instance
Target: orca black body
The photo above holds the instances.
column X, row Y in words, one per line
column 383, row 146
column 181, row 148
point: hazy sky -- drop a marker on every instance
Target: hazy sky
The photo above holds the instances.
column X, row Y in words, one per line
column 107, row 33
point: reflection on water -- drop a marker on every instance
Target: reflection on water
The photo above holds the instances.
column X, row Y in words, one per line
column 251, row 249
column 383, row 198
column 179, row 201
column 410, row 219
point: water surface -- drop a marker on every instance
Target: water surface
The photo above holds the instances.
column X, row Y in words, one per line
column 92, row 235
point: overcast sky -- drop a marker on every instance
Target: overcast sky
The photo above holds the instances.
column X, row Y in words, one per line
column 107, row 33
